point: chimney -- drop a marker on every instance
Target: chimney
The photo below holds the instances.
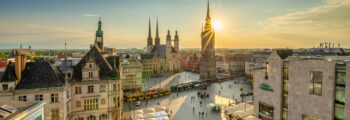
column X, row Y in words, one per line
column 20, row 64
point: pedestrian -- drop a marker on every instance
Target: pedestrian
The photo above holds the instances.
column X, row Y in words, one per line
column 203, row 113
column 199, row 114
column 193, row 109
column 173, row 96
column 177, row 94
column 206, row 114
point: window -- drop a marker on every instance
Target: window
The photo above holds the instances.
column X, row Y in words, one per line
column 67, row 93
column 103, row 117
column 69, row 75
column 77, row 104
column 315, row 86
column 78, row 90
column 91, row 75
column 90, row 89
column 38, row 97
column 103, row 101
column 284, row 114
column 340, row 94
column 265, row 111
column 339, row 112
column 340, row 74
column 285, row 86
column 91, row 117
column 102, row 88
column 285, row 70
column 267, row 70
column 5, row 87
column 55, row 114
column 306, row 117
column 54, row 98
column 114, row 102
column 285, row 100
column 114, row 87
column 91, row 104
column 22, row 98
column 90, row 65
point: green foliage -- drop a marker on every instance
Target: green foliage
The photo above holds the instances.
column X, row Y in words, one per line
column 4, row 54
column 241, row 88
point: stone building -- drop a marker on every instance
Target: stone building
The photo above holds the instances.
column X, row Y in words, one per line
column 302, row 87
column 90, row 90
column 22, row 51
column 131, row 74
column 161, row 58
column 207, row 61
column 236, row 64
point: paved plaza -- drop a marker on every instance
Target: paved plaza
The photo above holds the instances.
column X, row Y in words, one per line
column 181, row 105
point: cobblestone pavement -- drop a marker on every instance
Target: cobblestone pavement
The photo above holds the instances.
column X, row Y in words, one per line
column 182, row 105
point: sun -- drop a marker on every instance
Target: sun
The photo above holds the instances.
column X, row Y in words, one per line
column 217, row 25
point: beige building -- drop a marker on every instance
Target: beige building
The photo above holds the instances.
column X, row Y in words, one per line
column 161, row 58
column 131, row 74
column 302, row 87
column 90, row 90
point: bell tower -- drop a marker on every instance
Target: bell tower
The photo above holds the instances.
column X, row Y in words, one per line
column 99, row 35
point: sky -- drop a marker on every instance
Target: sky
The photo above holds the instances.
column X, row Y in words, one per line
column 46, row 24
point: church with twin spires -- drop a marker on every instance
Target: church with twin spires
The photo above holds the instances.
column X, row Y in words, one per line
column 160, row 58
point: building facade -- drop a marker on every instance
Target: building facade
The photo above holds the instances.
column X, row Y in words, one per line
column 161, row 58
column 236, row 64
column 90, row 90
column 207, row 61
column 131, row 74
column 302, row 87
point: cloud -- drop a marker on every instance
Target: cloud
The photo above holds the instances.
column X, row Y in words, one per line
column 326, row 22
column 90, row 15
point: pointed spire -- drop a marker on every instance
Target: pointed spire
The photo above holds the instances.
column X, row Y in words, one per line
column 208, row 10
column 176, row 36
column 149, row 28
column 157, row 34
column 157, row 39
column 168, row 35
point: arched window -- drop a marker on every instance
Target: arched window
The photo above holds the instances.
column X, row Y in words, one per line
column 91, row 117
column 103, row 117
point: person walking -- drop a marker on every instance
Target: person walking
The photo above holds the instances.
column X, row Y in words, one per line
column 193, row 109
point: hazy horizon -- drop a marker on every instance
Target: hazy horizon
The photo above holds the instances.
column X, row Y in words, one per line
column 245, row 24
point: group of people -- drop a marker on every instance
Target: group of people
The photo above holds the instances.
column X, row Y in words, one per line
column 193, row 98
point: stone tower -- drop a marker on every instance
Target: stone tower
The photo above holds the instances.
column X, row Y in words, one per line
column 149, row 39
column 207, row 61
column 176, row 42
column 99, row 35
column 157, row 39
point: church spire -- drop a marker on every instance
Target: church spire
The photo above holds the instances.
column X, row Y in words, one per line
column 157, row 39
column 149, row 39
column 149, row 28
column 208, row 26
column 208, row 11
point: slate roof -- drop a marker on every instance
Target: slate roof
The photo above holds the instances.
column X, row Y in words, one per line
column 283, row 54
column 17, row 51
column 106, row 69
column 159, row 50
column 146, row 56
column 39, row 75
column 9, row 74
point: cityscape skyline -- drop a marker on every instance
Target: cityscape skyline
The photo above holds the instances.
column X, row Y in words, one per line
column 245, row 24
